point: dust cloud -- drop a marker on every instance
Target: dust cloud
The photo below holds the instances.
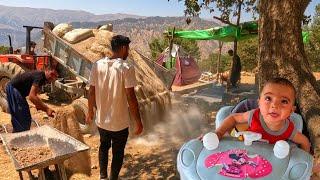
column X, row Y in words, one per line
column 179, row 125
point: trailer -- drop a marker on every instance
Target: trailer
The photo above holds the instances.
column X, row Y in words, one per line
column 74, row 66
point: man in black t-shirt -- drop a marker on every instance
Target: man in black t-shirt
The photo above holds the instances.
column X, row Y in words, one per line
column 235, row 69
column 21, row 86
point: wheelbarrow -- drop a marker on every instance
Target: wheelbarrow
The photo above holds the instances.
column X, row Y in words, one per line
column 62, row 147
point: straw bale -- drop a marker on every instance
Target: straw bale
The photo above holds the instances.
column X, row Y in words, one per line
column 108, row 27
column 61, row 29
column 77, row 35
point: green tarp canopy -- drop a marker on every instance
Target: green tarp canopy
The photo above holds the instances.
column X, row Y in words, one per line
column 221, row 33
column 305, row 36
column 226, row 33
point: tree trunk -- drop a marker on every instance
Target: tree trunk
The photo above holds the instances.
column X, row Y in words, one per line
column 235, row 43
column 282, row 54
column 219, row 60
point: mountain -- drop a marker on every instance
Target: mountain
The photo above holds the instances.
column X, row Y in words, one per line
column 15, row 16
column 12, row 20
column 141, row 30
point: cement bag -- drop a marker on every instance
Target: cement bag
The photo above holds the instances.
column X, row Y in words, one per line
column 77, row 35
column 61, row 29
column 108, row 27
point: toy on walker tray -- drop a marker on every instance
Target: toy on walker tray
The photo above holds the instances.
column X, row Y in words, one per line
column 249, row 137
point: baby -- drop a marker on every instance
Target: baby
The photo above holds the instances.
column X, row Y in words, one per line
column 271, row 119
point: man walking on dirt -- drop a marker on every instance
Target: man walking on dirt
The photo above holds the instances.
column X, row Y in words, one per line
column 27, row 84
column 235, row 69
column 111, row 90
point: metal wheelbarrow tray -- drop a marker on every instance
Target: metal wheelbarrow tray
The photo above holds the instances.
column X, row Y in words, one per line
column 62, row 145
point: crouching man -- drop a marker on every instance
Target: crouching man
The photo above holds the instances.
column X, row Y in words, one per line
column 21, row 86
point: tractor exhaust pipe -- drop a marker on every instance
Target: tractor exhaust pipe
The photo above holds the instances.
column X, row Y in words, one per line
column 10, row 47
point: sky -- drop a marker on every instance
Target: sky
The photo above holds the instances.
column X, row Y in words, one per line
column 137, row 7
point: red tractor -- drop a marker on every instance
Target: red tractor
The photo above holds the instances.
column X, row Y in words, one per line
column 13, row 64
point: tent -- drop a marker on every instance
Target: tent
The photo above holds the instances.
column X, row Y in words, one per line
column 187, row 70
column 228, row 33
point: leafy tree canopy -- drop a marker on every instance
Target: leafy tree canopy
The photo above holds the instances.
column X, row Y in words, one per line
column 248, row 52
column 313, row 47
column 4, row 50
column 210, row 64
column 158, row 45
column 227, row 8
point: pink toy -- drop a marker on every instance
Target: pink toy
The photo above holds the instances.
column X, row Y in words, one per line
column 237, row 164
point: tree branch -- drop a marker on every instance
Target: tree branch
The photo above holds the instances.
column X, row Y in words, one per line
column 224, row 21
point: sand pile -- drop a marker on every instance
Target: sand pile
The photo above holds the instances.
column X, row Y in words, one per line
column 153, row 97
column 65, row 121
column 27, row 156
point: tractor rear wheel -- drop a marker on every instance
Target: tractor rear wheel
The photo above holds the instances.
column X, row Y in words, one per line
column 8, row 70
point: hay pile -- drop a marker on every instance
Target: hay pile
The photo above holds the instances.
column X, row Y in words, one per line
column 96, row 47
column 65, row 120
column 153, row 97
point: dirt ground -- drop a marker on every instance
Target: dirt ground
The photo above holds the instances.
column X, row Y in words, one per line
column 150, row 156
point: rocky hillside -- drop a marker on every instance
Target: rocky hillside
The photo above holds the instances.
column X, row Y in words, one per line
column 12, row 20
column 140, row 29
column 14, row 17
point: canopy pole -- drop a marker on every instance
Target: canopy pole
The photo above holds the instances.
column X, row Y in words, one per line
column 170, row 56
column 219, row 60
column 235, row 43
column 171, row 45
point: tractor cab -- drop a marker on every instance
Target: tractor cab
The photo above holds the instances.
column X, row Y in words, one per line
column 26, row 59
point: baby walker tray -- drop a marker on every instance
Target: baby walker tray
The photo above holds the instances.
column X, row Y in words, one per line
column 234, row 160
